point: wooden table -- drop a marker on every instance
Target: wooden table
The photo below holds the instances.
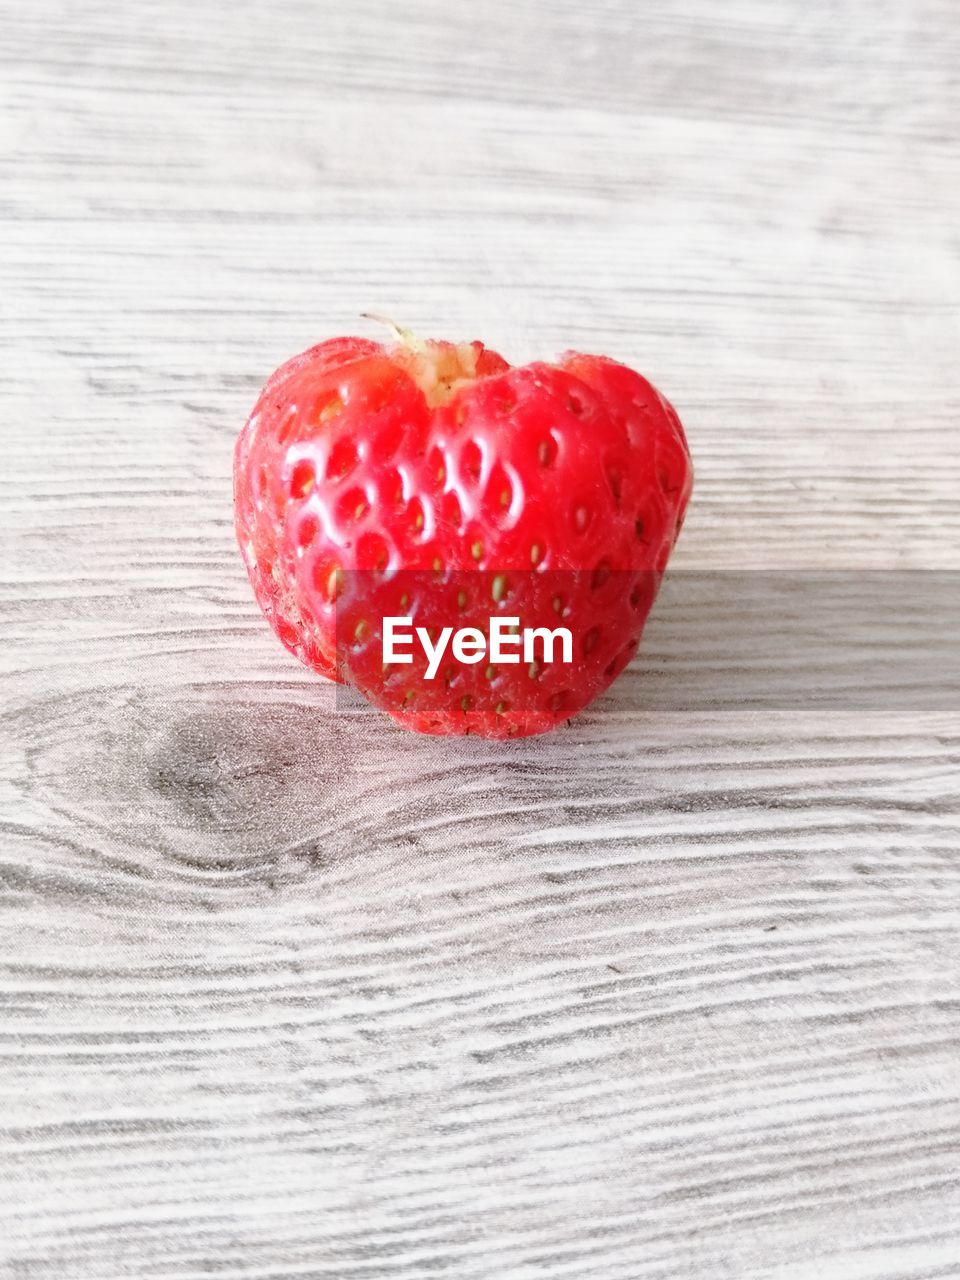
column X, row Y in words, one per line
column 287, row 993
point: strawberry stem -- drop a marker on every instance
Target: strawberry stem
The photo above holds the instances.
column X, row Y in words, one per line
column 406, row 336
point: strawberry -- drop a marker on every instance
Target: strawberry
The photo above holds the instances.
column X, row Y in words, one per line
column 433, row 481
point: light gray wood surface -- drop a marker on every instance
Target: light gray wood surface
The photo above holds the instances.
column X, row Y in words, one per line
column 287, row 993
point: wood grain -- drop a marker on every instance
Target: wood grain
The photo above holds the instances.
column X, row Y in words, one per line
column 286, row 993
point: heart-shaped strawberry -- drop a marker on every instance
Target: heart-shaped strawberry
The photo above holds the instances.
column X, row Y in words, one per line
column 433, row 484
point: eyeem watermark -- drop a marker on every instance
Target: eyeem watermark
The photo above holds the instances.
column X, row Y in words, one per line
column 717, row 641
column 505, row 643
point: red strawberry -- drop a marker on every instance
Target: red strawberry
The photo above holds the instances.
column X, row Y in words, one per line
column 433, row 480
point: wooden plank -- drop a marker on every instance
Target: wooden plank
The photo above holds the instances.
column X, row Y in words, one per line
column 287, row 993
